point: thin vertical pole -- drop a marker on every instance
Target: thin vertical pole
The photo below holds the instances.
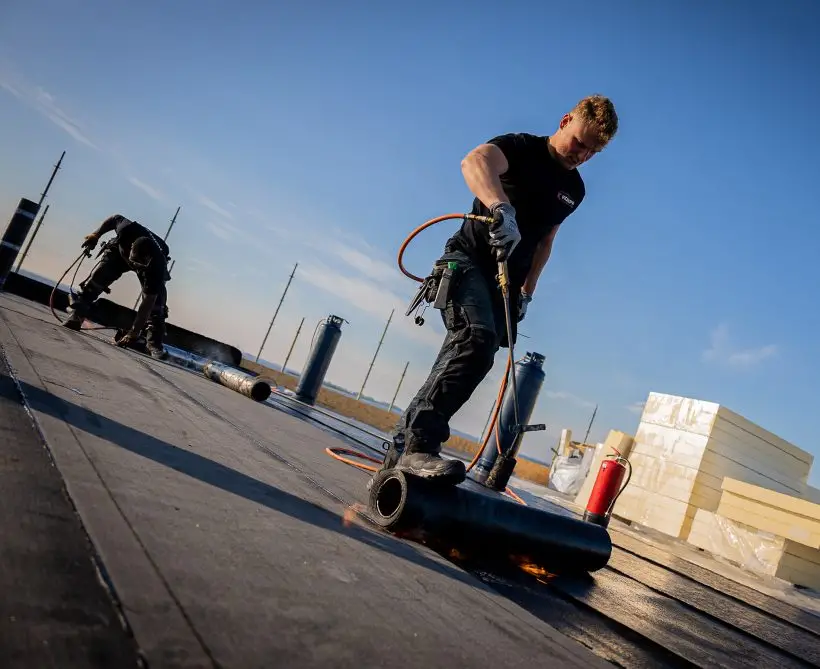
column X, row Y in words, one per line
column 282, row 299
column 284, row 369
column 39, row 204
column 361, row 390
column 586, row 436
column 31, row 239
column 487, row 422
column 396, row 394
column 170, row 227
column 48, row 185
column 165, row 239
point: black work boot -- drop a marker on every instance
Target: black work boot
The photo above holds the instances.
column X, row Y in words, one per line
column 153, row 340
column 74, row 322
column 156, row 350
column 432, row 466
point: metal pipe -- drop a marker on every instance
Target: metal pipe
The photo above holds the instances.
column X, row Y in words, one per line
column 484, row 524
column 235, row 379
column 225, row 375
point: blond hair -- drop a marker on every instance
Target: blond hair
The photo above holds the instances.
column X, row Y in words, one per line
column 599, row 113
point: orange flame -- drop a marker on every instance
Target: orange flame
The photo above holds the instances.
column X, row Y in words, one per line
column 350, row 513
column 456, row 554
column 529, row 567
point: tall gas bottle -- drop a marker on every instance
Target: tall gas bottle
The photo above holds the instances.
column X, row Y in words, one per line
column 324, row 346
column 529, row 377
column 14, row 236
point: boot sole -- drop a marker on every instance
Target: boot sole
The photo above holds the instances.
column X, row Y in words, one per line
column 451, row 477
column 448, row 478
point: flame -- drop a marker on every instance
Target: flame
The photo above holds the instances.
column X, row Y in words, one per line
column 529, row 567
column 456, row 554
column 350, row 513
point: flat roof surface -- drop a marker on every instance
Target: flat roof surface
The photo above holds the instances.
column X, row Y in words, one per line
column 199, row 528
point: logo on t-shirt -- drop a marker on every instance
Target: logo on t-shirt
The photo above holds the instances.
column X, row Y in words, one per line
column 566, row 199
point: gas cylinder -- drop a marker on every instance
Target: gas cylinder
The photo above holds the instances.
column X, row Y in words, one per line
column 313, row 375
column 15, row 236
column 529, row 376
column 606, row 490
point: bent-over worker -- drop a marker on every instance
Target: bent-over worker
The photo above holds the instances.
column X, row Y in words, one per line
column 134, row 248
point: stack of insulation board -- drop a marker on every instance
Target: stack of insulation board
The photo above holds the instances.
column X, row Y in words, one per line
column 683, row 450
column 764, row 531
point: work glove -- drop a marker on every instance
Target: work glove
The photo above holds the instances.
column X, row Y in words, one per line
column 125, row 339
column 523, row 301
column 504, row 234
column 90, row 241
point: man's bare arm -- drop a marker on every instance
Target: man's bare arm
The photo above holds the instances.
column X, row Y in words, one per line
column 539, row 260
column 108, row 225
column 143, row 312
column 482, row 168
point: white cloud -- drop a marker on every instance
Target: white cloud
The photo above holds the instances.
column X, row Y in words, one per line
column 569, row 397
column 636, row 407
column 224, row 231
column 199, row 265
column 149, row 190
column 213, row 206
column 364, row 263
column 722, row 351
column 46, row 104
column 369, row 297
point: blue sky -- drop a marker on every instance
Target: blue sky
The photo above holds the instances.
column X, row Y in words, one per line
column 323, row 135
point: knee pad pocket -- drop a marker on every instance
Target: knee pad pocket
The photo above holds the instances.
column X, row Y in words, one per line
column 484, row 340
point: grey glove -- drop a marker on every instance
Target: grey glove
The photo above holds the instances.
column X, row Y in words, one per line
column 504, row 234
column 523, row 301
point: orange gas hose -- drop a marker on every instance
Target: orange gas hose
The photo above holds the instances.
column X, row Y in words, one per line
column 424, row 226
column 339, row 453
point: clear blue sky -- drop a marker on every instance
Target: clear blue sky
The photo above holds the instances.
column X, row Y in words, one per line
column 323, row 134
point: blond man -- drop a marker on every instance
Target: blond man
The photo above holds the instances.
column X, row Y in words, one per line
column 528, row 184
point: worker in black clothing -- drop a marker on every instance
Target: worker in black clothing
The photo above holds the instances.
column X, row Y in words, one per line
column 135, row 248
column 528, row 185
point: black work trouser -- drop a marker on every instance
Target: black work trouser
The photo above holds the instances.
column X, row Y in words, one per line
column 474, row 318
column 110, row 268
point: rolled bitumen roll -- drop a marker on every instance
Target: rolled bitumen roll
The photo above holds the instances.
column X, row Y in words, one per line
column 487, row 524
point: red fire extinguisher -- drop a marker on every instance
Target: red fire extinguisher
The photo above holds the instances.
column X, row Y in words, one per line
column 607, row 489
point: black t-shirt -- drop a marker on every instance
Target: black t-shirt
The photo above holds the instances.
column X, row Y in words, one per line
column 152, row 277
column 543, row 193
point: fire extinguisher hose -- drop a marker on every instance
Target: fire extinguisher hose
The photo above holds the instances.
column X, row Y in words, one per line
column 623, row 487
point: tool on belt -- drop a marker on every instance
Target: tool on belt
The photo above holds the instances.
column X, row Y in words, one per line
column 436, row 289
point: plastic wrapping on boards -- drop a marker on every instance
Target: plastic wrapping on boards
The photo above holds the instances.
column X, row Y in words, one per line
column 752, row 549
column 568, row 473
